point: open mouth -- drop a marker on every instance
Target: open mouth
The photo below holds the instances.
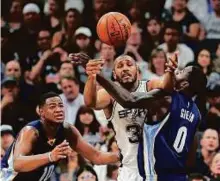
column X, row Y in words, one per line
column 126, row 76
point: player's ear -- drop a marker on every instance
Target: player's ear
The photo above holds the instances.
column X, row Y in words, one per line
column 114, row 75
column 41, row 112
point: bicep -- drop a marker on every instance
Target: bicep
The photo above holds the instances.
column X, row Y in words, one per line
column 25, row 141
column 103, row 99
column 154, row 84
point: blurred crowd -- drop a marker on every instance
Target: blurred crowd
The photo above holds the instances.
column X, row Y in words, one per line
column 38, row 35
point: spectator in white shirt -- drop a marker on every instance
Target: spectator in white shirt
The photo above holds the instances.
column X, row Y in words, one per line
column 212, row 21
column 71, row 97
column 172, row 34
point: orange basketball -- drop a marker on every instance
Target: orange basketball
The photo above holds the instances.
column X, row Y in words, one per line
column 114, row 29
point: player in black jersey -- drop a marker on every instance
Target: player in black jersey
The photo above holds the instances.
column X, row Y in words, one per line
column 42, row 143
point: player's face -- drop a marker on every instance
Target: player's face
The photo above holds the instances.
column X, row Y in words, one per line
column 53, row 110
column 210, row 141
column 181, row 77
column 125, row 70
column 215, row 167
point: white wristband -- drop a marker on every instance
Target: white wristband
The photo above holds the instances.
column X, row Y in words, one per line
column 49, row 157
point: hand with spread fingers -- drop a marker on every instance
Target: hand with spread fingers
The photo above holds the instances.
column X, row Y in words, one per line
column 79, row 58
column 172, row 63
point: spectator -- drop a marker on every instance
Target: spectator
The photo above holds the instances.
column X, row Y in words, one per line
column 108, row 54
column 71, row 97
column 181, row 14
column 83, row 43
column 52, row 19
column 112, row 145
column 88, row 125
column 86, row 173
column 135, row 12
column 135, row 48
column 212, row 21
column 153, row 36
column 209, row 146
column 215, row 167
column 172, row 34
column 213, row 116
column 14, row 18
column 7, row 136
column 14, row 109
column 44, row 44
column 13, row 69
column 156, row 66
column 26, row 37
column 64, row 37
column 8, row 46
column 66, row 70
column 112, row 172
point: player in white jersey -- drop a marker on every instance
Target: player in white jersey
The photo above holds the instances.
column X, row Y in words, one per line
column 127, row 123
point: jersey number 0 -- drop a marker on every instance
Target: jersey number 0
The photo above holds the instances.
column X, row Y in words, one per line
column 180, row 139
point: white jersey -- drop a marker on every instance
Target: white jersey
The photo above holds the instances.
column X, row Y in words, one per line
column 128, row 124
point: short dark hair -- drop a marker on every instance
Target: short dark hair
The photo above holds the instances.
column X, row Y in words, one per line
column 45, row 96
column 173, row 25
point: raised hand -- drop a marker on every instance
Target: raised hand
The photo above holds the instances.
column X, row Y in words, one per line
column 61, row 151
column 79, row 58
column 94, row 67
column 172, row 63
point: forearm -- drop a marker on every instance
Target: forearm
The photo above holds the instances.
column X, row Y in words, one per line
column 167, row 83
column 36, row 70
column 102, row 158
column 90, row 92
column 30, row 163
column 121, row 95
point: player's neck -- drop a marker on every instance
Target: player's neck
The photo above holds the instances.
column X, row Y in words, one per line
column 131, row 87
column 50, row 129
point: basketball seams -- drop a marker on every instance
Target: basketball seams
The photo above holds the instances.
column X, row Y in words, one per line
column 106, row 26
column 118, row 26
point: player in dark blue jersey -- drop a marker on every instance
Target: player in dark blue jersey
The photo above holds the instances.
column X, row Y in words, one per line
column 42, row 143
column 168, row 138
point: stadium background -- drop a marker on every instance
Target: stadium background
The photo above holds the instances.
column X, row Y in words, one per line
column 37, row 38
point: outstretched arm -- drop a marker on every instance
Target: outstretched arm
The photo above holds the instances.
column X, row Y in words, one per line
column 167, row 82
column 130, row 100
column 86, row 150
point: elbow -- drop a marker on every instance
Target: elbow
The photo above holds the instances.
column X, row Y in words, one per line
column 89, row 103
column 18, row 166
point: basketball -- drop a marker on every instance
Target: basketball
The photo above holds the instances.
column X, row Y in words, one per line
column 114, row 29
